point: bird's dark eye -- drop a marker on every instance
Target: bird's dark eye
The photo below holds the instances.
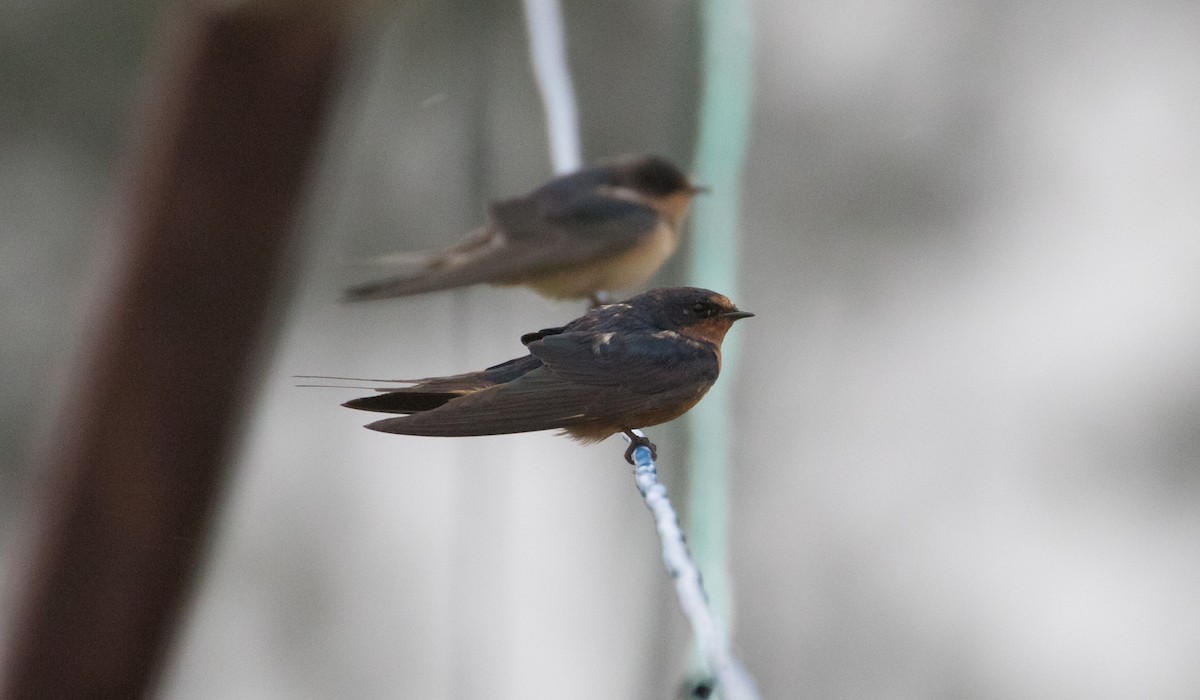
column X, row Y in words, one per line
column 701, row 309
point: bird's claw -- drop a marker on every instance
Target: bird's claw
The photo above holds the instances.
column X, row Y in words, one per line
column 636, row 441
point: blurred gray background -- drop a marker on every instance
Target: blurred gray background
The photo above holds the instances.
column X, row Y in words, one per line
column 968, row 419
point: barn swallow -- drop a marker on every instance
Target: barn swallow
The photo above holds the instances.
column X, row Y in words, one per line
column 600, row 229
column 621, row 366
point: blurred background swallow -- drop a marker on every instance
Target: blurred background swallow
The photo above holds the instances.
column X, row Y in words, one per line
column 621, row 366
column 599, row 229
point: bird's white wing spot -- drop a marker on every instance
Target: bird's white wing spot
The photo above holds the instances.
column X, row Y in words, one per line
column 600, row 341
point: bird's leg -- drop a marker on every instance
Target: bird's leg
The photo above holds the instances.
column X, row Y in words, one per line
column 636, row 441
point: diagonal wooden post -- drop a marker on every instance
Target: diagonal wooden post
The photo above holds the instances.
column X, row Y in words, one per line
column 136, row 459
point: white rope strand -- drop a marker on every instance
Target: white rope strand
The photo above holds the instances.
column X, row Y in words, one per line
column 548, row 52
column 732, row 681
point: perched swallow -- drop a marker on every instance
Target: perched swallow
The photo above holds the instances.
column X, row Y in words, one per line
column 599, row 229
column 621, row 366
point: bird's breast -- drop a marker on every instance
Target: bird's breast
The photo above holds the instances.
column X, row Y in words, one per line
column 595, row 431
column 629, row 268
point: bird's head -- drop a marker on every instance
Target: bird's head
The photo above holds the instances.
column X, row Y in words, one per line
column 667, row 188
column 700, row 314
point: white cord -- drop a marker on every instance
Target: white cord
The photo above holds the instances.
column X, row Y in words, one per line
column 548, row 52
column 732, row 681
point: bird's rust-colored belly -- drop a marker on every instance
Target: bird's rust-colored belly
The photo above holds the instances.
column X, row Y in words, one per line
column 622, row 271
column 596, row 431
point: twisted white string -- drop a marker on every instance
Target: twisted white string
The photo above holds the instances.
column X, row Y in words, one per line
column 732, row 681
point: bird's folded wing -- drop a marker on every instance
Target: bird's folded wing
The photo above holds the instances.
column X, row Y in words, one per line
column 526, row 237
column 580, row 383
column 647, row 363
column 573, row 230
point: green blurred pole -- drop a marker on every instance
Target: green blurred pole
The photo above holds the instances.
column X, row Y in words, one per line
column 724, row 132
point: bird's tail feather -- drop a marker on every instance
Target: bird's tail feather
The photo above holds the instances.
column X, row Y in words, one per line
column 354, row 379
column 402, row 401
column 428, row 271
column 406, row 259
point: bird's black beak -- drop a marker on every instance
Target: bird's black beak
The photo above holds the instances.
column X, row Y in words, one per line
column 735, row 315
column 699, row 189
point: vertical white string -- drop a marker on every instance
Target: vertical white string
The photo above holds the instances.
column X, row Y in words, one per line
column 548, row 52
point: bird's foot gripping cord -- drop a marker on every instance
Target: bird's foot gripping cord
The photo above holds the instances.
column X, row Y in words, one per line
column 636, row 441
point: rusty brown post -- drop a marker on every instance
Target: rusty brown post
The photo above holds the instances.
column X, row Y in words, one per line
column 134, row 464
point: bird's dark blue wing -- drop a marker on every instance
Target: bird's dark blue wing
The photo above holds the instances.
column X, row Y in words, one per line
column 587, row 379
column 645, row 362
column 590, row 222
